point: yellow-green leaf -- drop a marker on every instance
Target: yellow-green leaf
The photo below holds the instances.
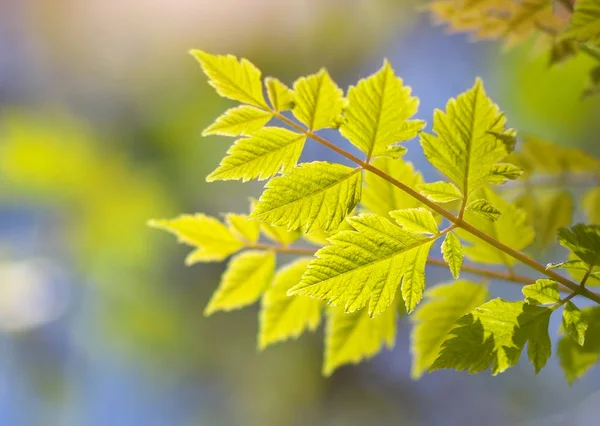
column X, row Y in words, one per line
column 574, row 323
column 466, row 148
column 242, row 120
column 440, row 192
column 261, row 155
column 452, row 253
column 233, row 79
column 284, row 317
column 212, row 240
column 576, row 359
column 247, row 276
column 443, row 306
column 365, row 266
column 316, row 195
column 318, row 102
column 279, row 234
column 585, row 22
column 591, row 205
column 379, row 108
column 280, row 96
column 243, row 227
column 583, row 241
column 485, row 209
column 351, row 338
column 542, row 292
column 418, row 220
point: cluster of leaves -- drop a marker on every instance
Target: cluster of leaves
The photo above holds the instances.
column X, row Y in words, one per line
column 376, row 224
column 569, row 27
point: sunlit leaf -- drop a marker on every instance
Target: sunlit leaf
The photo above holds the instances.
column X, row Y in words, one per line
column 318, row 102
column 452, row 253
column 280, row 96
column 542, row 292
column 242, row 120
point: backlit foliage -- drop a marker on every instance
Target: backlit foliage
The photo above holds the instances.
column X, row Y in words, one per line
column 377, row 224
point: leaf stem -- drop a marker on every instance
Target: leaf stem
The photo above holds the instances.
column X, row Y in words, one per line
column 459, row 222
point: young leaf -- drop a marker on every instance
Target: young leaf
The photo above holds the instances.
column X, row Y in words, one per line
column 351, row 338
column 574, row 323
column 319, row 101
column 511, row 229
column 213, row 241
column 583, row 240
column 417, row 221
column 261, row 155
column 233, row 79
column 366, row 265
column 283, row 317
column 440, row 192
column 485, row 209
column 316, row 195
column 379, row 108
column 243, row 227
column 452, row 253
column 495, row 334
column 575, row 359
column 247, row 276
column 242, row 120
column 381, row 197
column 280, row 96
column 585, row 22
column 543, row 292
column 435, row 318
column 466, row 148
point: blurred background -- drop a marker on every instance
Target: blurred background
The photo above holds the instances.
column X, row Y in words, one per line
column 101, row 110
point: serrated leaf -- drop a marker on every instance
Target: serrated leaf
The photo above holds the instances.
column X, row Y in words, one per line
column 233, row 79
column 591, row 205
column 279, row 234
column 542, row 292
column 575, row 359
column 212, row 240
column 351, row 338
column 261, row 155
column 495, row 334
column 378, row 112
column 380, row 196
column 242, row 120
column 485, row 209
column 466, row 148
column 585, row 22
column 435, row 318
column 440, row 192
column 418, row 220
column 247, row 276
column 365, row 266
column 574, row 324
column 243, row 227
column 284, row 317
column 511, row 229
column 583, row 241
column 452, row 253
column 318, row 102
column 280, row 96
column 578, row 269
column 312, row 196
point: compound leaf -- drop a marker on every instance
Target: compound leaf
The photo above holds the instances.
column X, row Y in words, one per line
column 318, row 102
column 280, row 96
column 452, row 253
column 316, row 195
column 284, row 317
column 241, row 120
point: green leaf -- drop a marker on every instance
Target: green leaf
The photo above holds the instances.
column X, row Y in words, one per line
column 380, row 196
column 585, row 22
column 212, row 240
column 583, row 240
column 495, row 334
column 511, row 229
column 283, row 317
column 575, row 359
column 578, row 269
column 279, row 234
column 351, row 338
column 316, row 195
column 591, row 205
column 440, row 192
column 280, row 96
column 543, row 292
column 417, row 221
column 247, row 276
column 261, row 155
column 365, row 266
column 233, row 79
column 453, row 253
column 243, row 227
column 379, row 108
column 485, row 209
column 466, row 148
column 319, row 101
column 574, row 323
column 242, row 120
column 548, row 213
column 435, row 318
